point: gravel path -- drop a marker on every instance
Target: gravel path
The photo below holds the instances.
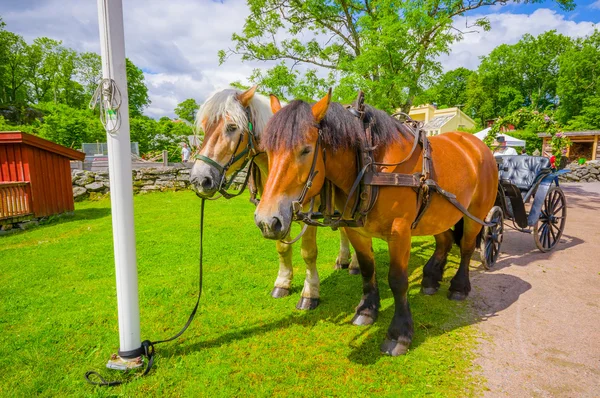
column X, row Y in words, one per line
column 540, row 313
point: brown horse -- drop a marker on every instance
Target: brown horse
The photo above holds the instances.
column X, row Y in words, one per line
column 462, row 164
column 224, row 117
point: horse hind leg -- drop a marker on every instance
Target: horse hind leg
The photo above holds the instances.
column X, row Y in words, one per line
column 343, row 259
column 309, row 299
column 460, row 285
column 433, row 270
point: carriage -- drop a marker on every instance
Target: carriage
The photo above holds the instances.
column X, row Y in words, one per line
column 525, row 182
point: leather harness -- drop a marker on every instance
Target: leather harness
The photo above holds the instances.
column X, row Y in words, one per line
column 369, row 179
column 366, row 184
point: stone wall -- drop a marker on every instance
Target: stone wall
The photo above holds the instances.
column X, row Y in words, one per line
column 94, row 183
column 589, row 172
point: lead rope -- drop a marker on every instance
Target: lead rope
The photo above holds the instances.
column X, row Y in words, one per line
column 148, row 345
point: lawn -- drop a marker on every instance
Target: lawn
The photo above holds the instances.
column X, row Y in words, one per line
column 58, row 312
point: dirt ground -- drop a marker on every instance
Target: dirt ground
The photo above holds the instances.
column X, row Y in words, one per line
column 540, row 313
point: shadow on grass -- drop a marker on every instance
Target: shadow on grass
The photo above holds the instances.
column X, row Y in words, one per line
column 432, row 315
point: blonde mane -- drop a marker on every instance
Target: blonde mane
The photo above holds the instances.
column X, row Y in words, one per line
column 225, row 103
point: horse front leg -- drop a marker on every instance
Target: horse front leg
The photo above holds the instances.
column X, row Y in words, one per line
column 283, row 283
column 368, row 308
column 309, row 299
column 400, row 332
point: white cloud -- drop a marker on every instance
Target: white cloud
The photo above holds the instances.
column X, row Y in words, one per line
column 176, row 42
column 596, row 5
column 508, row 28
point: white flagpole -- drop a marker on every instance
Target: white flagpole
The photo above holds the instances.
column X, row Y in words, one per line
column 112, row 41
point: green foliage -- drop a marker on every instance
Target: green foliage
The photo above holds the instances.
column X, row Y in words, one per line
column 153, row 137
column 59, row 304
column 579, row 81
column 69, row 126
column 59, row 82
column 388, row 48
column 588, row 118
column 533, row 122
column 525, row 74
column 449, row 91
column 187, row 110
column 137, row 90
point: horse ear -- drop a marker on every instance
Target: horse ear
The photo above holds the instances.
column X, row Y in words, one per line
column 247, row 95
column 275, row 104
column 320, row 108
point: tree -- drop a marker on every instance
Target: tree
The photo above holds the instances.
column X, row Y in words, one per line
column 513, row 76
column 187, row 110
column 450, row 90
column 136, row 89
column 89, row 72
column 386, row 47
column 14, row 65
column 69, row 126
column 579, row 77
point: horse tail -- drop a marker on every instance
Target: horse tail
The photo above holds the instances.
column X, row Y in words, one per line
column 458, row 231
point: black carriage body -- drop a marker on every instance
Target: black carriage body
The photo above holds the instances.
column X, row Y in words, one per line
column 522, row 178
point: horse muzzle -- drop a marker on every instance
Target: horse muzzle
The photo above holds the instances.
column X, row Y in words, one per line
column 204, row 181
column 273, row 226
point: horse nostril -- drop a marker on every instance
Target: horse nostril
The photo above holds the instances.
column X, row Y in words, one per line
column 276, row 225
column 207, row 183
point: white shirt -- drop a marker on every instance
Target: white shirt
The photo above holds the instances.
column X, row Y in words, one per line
column 505, row 151
column 185, row 151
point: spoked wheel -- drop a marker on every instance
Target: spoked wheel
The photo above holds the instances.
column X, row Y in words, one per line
column 551, row 224
column 491, row 238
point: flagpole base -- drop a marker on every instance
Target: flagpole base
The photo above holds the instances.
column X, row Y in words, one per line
column 118, row 363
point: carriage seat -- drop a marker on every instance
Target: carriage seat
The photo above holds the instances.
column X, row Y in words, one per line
column 522, row 170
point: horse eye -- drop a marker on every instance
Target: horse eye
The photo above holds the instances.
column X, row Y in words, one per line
column 231, row 128
column 305, row 151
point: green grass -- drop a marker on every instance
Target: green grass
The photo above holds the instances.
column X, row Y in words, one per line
column 58, row 312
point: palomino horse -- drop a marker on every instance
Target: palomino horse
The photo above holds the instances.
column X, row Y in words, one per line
column 462, row 165
column 224, row 118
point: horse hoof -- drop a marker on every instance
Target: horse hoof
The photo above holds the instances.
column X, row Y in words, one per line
column 279, row 292
column 394, row 347
column 457, row 296
column 306, row 303
column 362, row 320
column 339, row 266
column 354, row 271
column 429, row 291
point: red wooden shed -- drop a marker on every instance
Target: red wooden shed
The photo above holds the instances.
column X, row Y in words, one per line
column 35, row 177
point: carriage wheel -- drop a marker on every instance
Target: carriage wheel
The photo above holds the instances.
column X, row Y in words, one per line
column 491, row 238
column 551, row 224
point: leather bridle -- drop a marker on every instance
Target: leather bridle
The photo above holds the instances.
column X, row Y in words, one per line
column 248, row 154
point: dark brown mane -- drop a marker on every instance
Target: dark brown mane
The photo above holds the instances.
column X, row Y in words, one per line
column 340, row 129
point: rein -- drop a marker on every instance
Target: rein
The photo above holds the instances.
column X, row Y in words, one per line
column 147, row 348
column 249, row 153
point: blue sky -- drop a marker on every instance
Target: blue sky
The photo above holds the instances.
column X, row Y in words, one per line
column 176, row 42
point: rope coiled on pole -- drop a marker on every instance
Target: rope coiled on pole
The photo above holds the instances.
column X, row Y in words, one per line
column 108, row 98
